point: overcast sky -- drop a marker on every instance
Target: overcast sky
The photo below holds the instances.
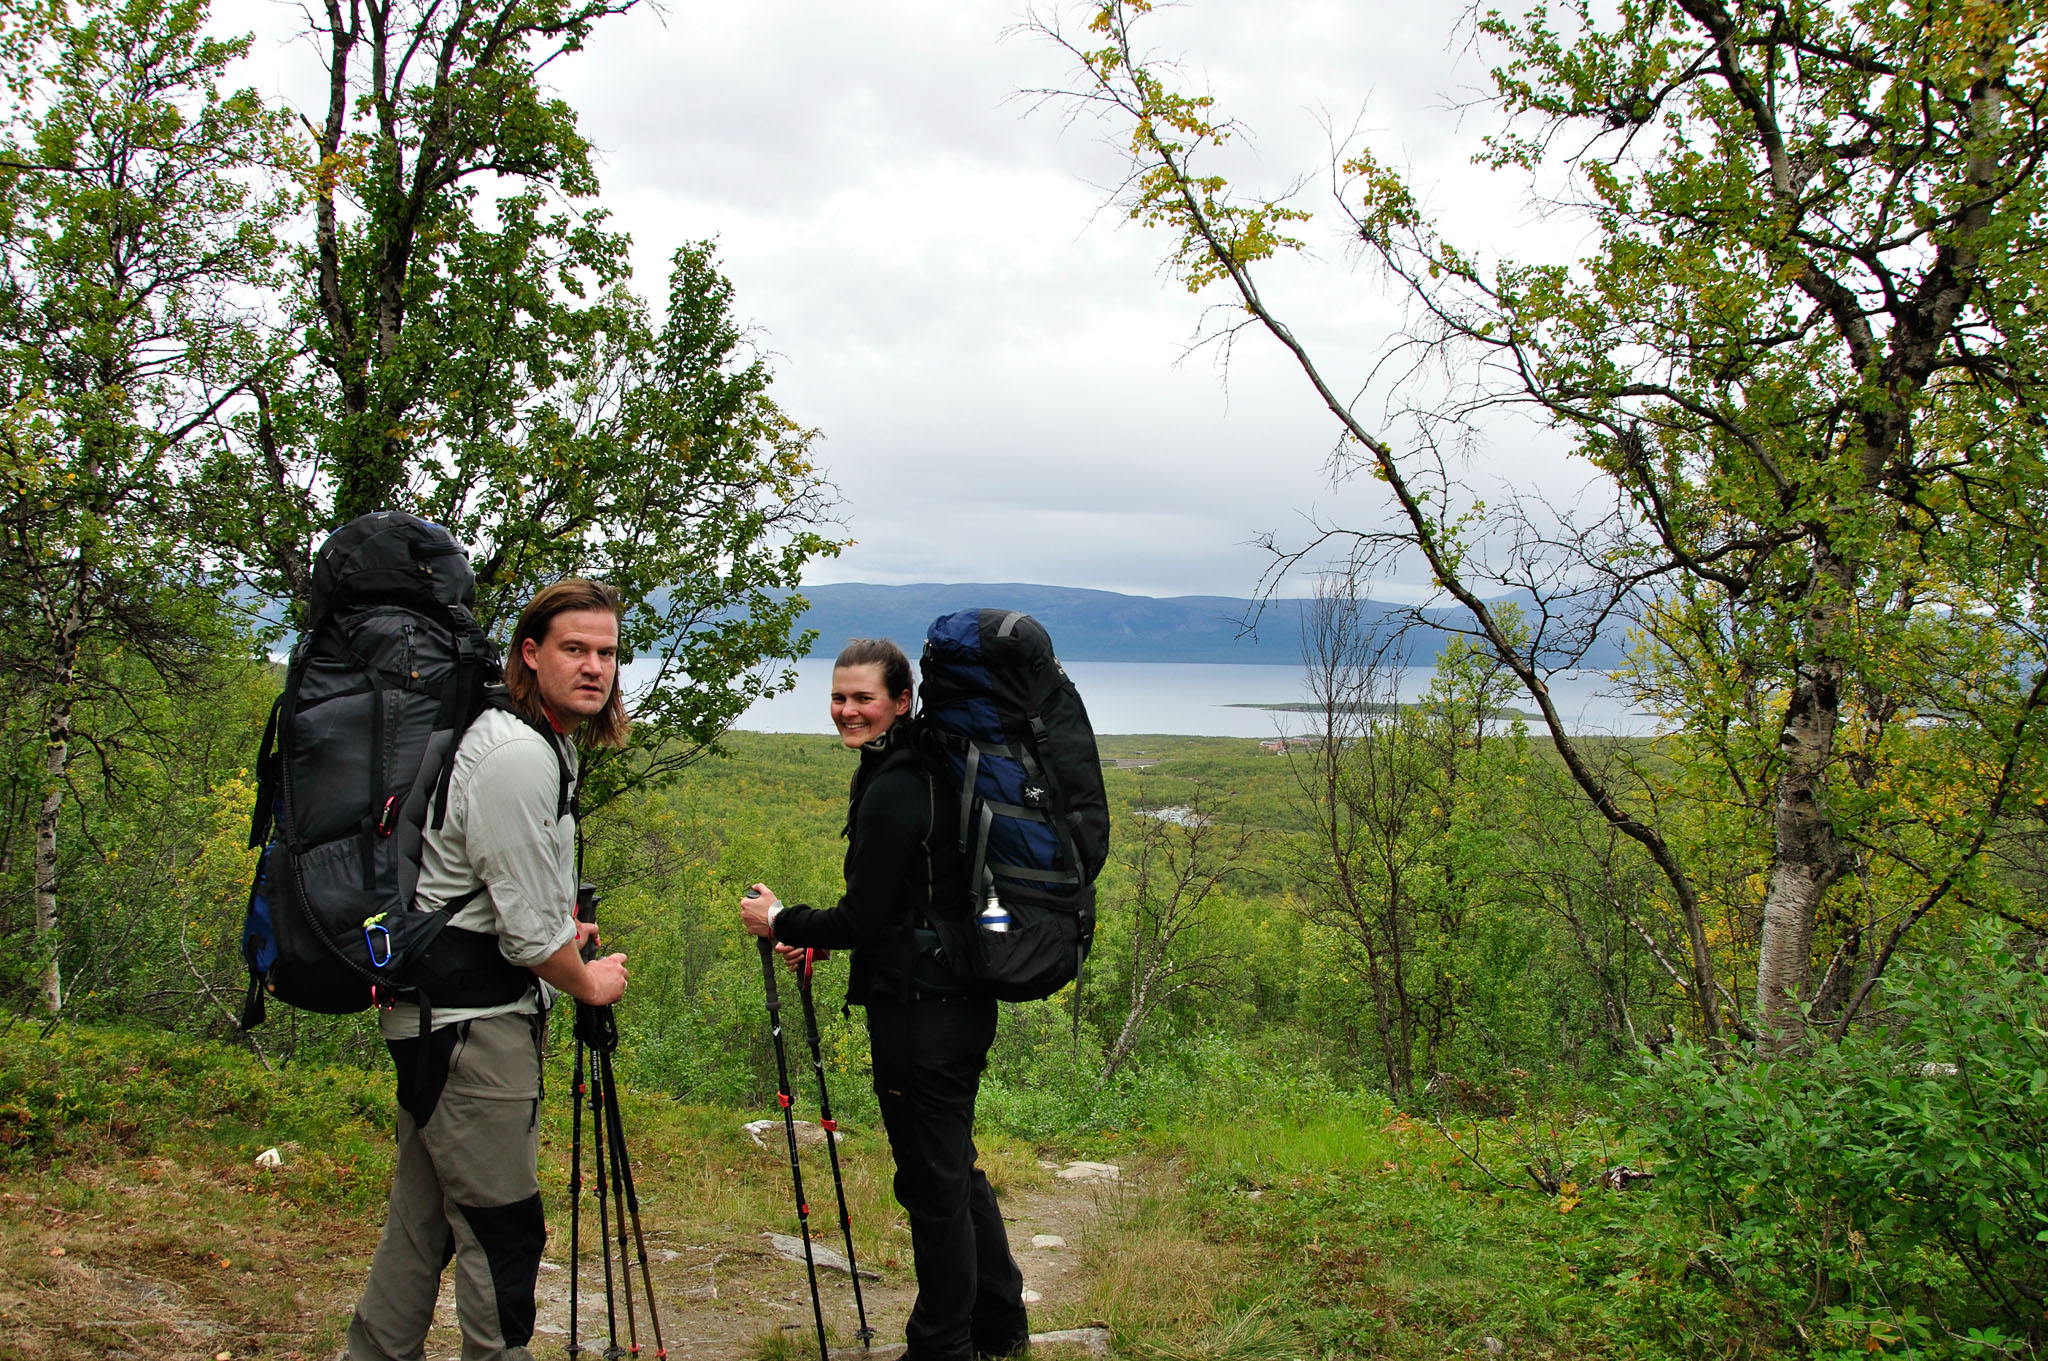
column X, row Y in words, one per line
column 998, row 365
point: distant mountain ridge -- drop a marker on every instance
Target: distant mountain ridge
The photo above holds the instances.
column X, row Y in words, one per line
column 1104, row 626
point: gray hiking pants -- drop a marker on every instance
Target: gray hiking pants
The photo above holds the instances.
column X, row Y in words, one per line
column 465, row 1189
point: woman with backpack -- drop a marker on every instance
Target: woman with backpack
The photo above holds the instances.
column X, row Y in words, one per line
column 929, row 1034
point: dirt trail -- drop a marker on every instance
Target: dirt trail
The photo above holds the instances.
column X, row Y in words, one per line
column 147, row 1274
column 719, row 1297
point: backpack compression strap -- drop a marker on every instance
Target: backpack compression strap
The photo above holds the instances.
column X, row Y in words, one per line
column 463, row 699
column 268, row 758
column 974, row 825
column 1027, row 756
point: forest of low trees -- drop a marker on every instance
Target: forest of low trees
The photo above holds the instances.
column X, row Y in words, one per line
column 1794, row 941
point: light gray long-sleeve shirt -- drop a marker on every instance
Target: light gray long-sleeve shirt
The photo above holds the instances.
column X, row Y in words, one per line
column 503, row 830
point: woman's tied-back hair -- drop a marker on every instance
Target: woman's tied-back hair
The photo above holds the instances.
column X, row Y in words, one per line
column 878, row 652
column 608, row 727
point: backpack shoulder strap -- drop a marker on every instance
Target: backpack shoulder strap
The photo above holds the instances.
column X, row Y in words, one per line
column 565, row 802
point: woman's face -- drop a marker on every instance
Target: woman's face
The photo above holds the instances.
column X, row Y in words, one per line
column 862, row 707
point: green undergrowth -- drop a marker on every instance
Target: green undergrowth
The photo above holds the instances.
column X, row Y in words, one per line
column 102, row 1093
column 1375, row 1236
column 1331, row 1224
column 1768, row 1209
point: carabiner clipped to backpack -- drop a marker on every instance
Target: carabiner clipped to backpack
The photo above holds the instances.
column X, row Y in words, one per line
column 374, row 930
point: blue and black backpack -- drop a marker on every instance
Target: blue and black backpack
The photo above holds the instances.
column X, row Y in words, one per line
column 1008, row 736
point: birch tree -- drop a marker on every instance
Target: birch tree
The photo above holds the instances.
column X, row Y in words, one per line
column 476, row 354
column 1180, row 861
column 137, row 231
column 1800, row 349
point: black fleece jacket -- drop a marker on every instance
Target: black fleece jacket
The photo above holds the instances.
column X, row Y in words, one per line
column 901, row 856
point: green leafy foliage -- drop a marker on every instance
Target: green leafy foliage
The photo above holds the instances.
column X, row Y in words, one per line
column 134, row 249
column 1892, row 1188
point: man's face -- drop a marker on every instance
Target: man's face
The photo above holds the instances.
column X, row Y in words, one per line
column 576, row 665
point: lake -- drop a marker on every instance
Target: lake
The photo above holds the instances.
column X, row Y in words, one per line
column 1196, row 699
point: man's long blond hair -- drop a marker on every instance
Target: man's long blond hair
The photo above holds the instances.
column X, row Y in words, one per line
column 609, row 726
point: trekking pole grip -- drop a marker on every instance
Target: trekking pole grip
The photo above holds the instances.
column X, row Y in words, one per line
column 768, row 970
column 586, row 911
column 767, row 944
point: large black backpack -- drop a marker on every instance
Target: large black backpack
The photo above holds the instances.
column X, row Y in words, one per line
column 389, row 673
column 1011, row 743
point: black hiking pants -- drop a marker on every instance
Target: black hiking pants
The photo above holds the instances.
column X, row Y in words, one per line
column 928, row 1060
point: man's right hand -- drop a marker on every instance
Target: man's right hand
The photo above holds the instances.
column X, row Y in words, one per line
column 598, row 982
column 607, row 981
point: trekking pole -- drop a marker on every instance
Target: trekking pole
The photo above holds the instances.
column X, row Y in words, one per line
column 598, row 1096
column 597, row 1033
column 624, row 1167
column 575, row 1192
column 586, row 910
column 615, row 1132
column 796, row 1173
column 831, row 1128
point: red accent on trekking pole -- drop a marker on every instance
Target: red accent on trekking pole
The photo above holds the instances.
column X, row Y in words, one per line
column 829, row 1126
column 783, row 1097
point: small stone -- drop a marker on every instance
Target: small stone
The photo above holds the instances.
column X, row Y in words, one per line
column 1084, row 1171
column 1047, row 1240
column 270, row 1157
column 793, row 1249
column 1494, row 1346
column 1032, row 1297
column 807, row 1134
column 1095, row 1339
column 550, row 1266
column 702, row 1292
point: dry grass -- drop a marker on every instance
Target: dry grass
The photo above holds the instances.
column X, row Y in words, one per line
column 1162, row 1286
column 165, row 1258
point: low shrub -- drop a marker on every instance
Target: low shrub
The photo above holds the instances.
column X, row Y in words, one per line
column 1889, row 1192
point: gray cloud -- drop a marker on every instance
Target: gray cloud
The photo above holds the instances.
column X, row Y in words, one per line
column 994, row 356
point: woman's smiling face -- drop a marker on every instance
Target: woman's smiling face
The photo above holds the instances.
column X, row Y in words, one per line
column 862, row 707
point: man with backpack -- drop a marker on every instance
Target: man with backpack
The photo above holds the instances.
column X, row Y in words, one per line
column 503, row 860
